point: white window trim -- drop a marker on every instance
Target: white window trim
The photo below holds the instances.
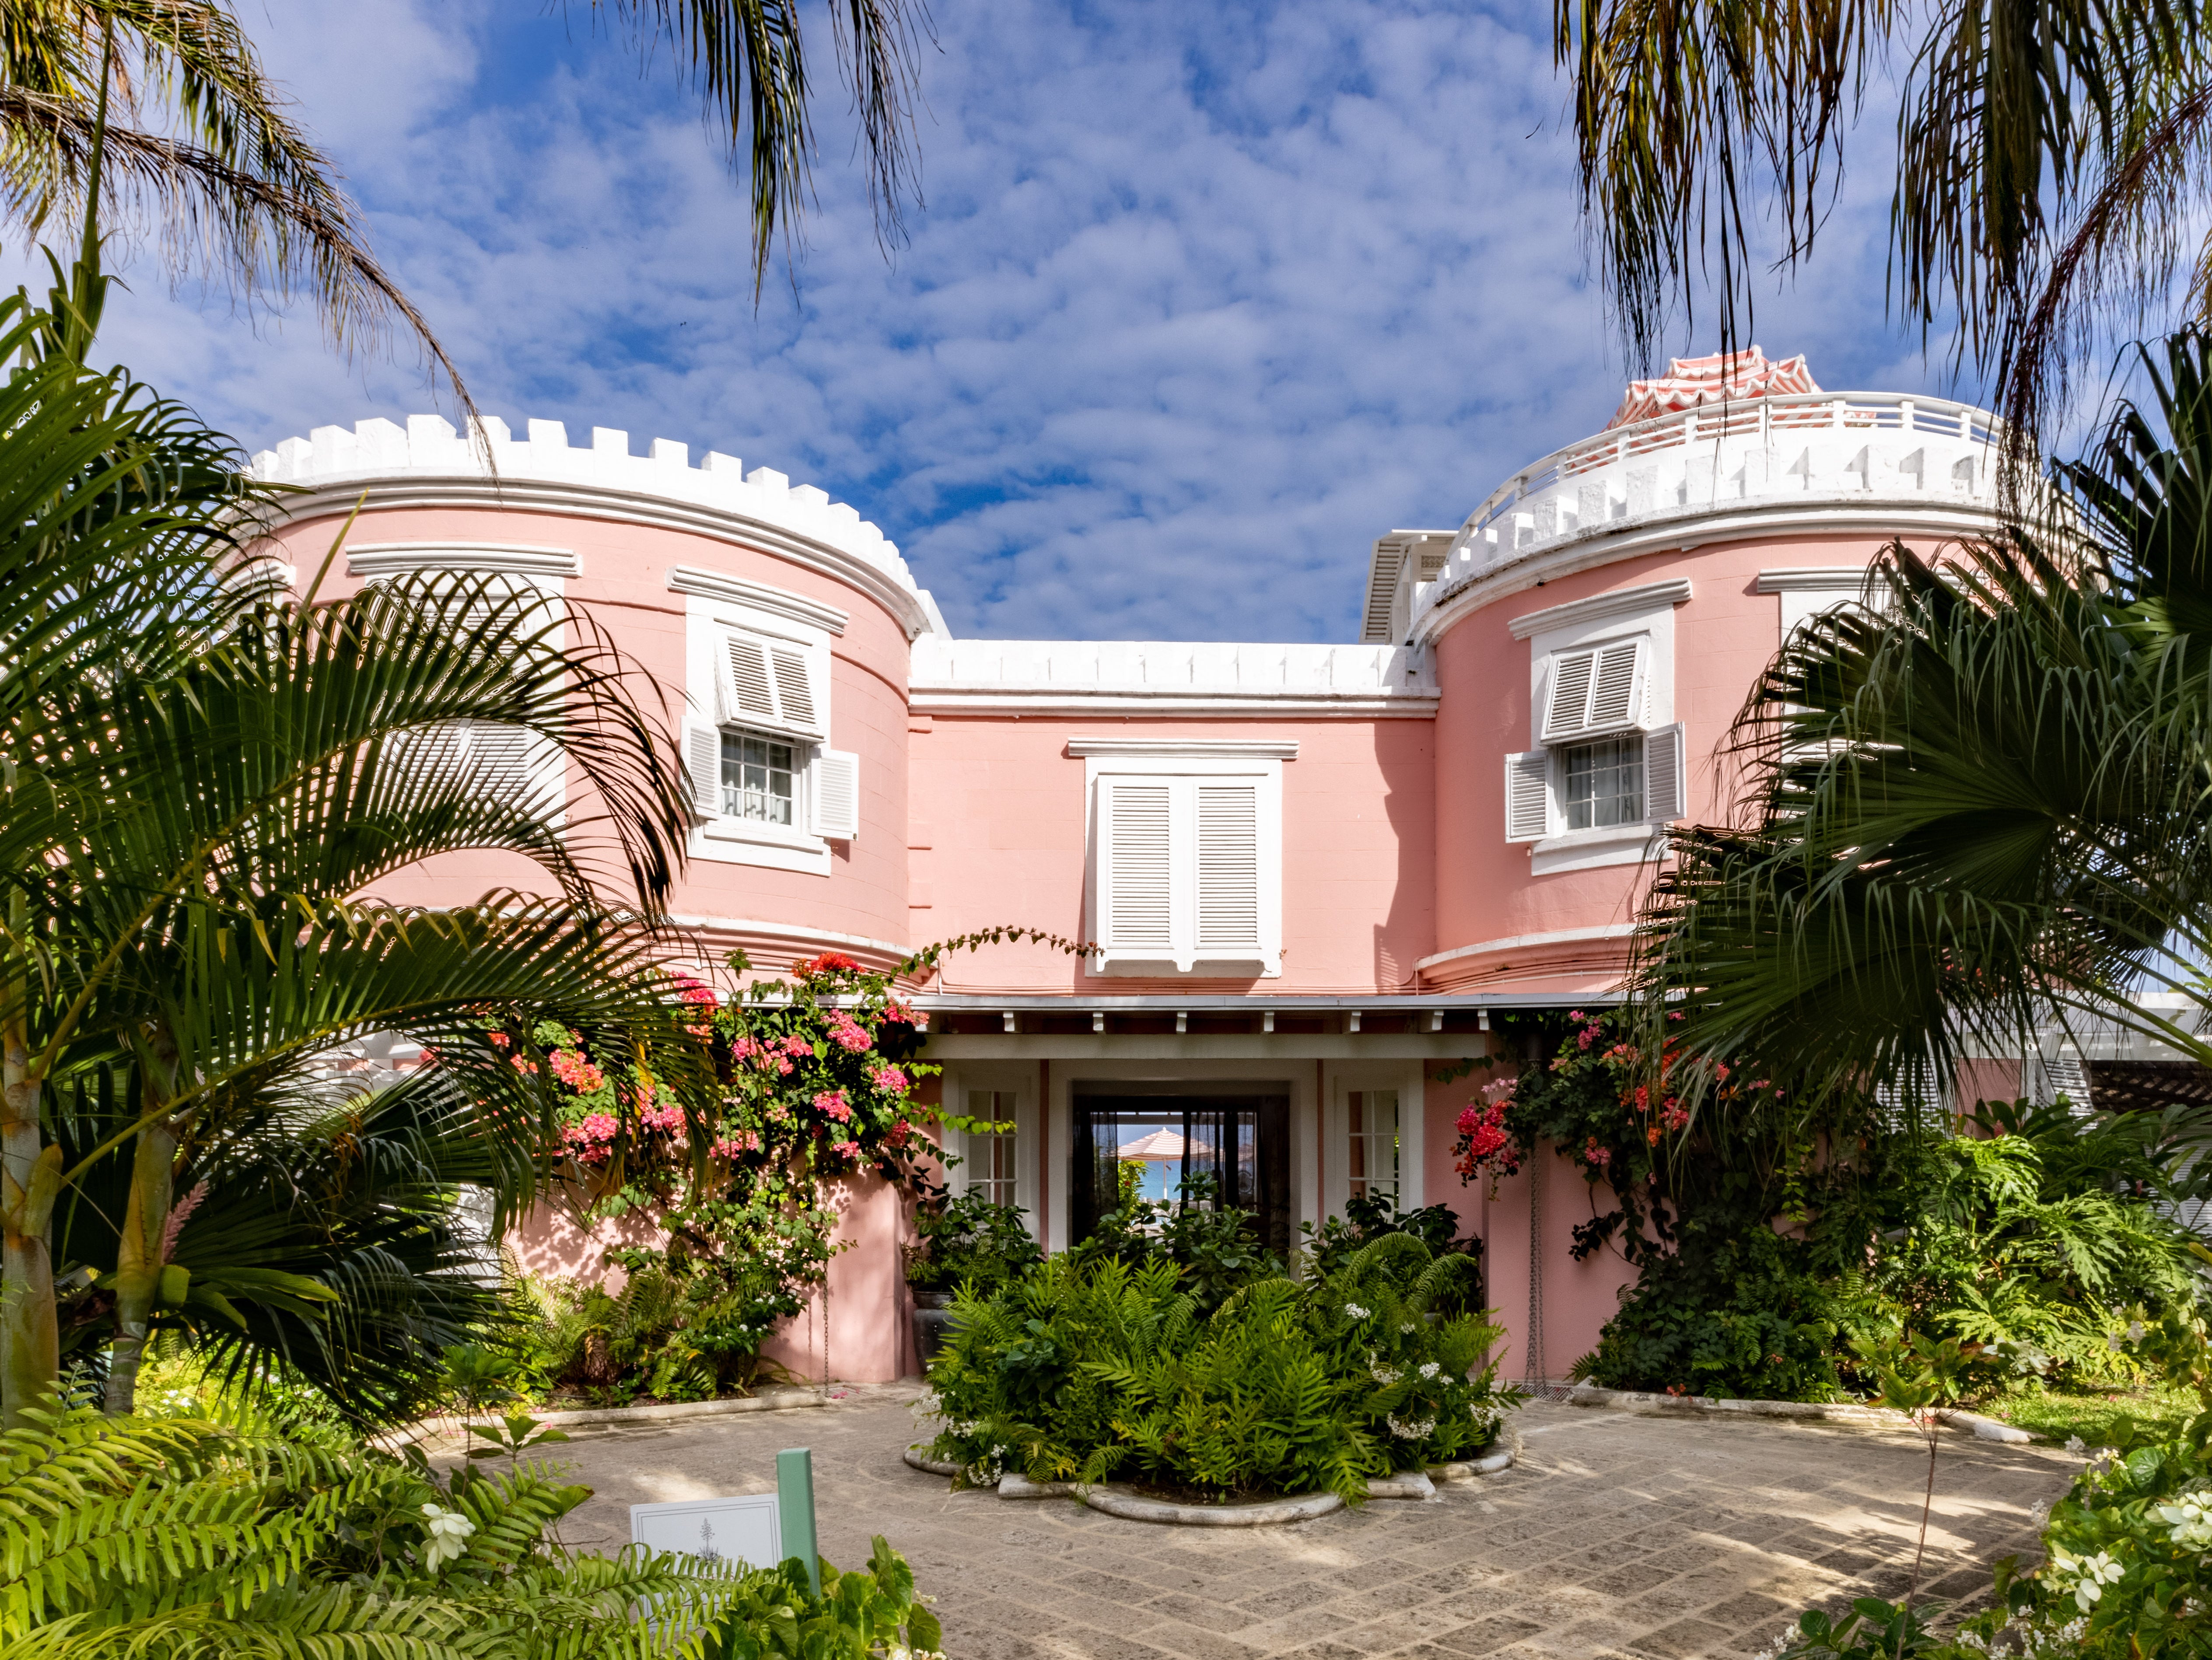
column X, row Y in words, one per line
column 1264, row 768
column 1647, row 613
column 1022, row 1085
column 1337, row 1129
column 712, row 612
column 1807, row 591
column 545, row 569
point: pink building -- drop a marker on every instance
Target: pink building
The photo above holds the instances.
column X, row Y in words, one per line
column 1315, row 869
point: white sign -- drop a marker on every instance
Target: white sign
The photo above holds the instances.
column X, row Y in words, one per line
column 747, row 1529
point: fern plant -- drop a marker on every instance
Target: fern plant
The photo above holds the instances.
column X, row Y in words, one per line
column 1090, row 1367
column 180, row 1538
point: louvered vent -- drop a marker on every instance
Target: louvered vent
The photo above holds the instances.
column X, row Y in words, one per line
column 1140, row 903
column 1228, row 870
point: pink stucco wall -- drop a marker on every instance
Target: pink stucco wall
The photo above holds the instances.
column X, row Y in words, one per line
column 1725, row 634
column 999, row 805
column 625, row 588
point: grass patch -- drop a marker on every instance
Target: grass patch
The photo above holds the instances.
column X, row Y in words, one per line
column 2095, row 1414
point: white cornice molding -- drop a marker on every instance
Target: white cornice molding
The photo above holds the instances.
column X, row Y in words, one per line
column 1221, row 706
column 1624, row 602
column 1815, row 579
column 1681, row 533
column 1186, row 749
column 714, row 585
column 507, row 558
column 607, row 502
column 1524, row 941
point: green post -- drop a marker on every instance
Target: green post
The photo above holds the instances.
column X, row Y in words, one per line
column 794, row 1507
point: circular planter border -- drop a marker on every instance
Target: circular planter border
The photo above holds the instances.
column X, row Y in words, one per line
column 1112, row 1499
column 1982, row 1428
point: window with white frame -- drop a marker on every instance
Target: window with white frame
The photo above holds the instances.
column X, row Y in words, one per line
column 1371, row 1122
column 987, row 1156
column 1187, row 863
column 496, row 761
column 1601, row 764
column 766, row 784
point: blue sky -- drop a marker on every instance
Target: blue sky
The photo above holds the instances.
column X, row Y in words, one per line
column 1202, row 298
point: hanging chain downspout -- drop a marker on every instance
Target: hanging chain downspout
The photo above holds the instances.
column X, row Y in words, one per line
column 1532, row 1376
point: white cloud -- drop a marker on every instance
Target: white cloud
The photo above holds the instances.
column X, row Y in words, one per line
column 1203, row 299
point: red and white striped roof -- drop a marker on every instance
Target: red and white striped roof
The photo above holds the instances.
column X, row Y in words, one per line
column 1690, row 381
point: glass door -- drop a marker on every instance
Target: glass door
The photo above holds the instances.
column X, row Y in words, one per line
column 1150, row 1146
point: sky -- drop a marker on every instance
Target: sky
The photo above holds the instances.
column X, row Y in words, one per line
column 1199, row 300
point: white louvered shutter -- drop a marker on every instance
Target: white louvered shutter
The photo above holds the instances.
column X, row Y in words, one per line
column 429, row 761
column 1139, row 877
column 1567, row 710
column 510, row 763
column 1666, row 775
column 750, row 695
column 1228, row 870
column 794, row 692
column 837, row 795
column 1594, row 691
column 1617, row 688
column 703, row 762
column 1528, row 795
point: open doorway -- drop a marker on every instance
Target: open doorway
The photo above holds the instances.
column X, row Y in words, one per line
column 1241, row 1140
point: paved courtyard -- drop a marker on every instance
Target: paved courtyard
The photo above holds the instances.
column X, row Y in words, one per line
column 1619, row 1534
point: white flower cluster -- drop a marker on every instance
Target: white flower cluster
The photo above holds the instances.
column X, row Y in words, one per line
column 449, row 1532
column 1380, row 1373
column 1778, row 1647
column 1353, row 1311
column 2087, row 1576
column 1430, row 1370
column 1410, row 1430
column 2189, row 1520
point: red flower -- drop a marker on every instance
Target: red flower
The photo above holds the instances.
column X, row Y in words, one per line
column 831, row 962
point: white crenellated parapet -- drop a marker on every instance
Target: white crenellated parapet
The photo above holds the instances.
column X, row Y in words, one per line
column 1843, row 450
column 428, row 452
column 1169, row 676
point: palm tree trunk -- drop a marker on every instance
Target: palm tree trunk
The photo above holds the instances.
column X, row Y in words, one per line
column 140, row 1252
column 30, row 1178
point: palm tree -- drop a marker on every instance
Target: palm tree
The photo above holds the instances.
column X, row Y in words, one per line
column 2049, row 161
column 161, row 110
column 1979, row 800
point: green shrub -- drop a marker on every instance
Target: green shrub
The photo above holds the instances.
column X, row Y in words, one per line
column 171, row 1538
column 1090, row 1367
column 969, row 1240
column 1742, row 1320
column 1214, row 1249
column 1368, row 1217
column 692, row 1332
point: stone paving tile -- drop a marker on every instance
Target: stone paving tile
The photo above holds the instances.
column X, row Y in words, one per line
column 1619, row 1537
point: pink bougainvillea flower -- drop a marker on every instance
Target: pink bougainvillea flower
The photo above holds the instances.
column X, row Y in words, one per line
column 500, row 1040
column 795, row 1046
column 846, row 1149
column 834, row 1103
column 848, row 1033
column 889, row 1079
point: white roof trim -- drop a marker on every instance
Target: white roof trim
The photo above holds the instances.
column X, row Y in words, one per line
column 1622, row 602
column 713, row 584
column 1186, row 749
column 510, row 559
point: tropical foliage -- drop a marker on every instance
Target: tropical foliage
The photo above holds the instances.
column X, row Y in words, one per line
column 1090, row 1368
column 1973, row 805
column 1781, row 1266
column 178, row 1537
column 966, row 1239
column 2044, row 166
